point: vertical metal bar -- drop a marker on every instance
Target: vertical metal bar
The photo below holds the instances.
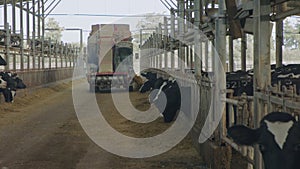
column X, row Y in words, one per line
column 158, row 44
column 81, row 42
column 13, row 11
column 7, row 38
column 28, row 31
column 212, row 54
column 5, row 12
column 181, row 13
column 262, row 73
column 165, row 41
column 22, row 36
column 13, row 3
column 172, row 38
column 220, row 65
column 197, row 40
column 39, row 18
column 192, row 56
column 39, row 34
column 243, row 51
column 43, row 35
column 206, row 55
column 49, row 55
column 279, row 39
column 33, row 34
column 230, row 48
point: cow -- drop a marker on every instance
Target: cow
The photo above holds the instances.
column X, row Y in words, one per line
column 240, row 81
column 287, row 75
column 168, row 95
column 10, row 82
column 6, row 89
column 148, row 85
column 278, row 138
column 2, row 61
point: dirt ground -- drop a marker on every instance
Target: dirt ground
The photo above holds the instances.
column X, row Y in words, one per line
column 41, row 130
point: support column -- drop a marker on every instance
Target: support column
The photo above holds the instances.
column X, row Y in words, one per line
column 22, row 36
column 33, row 34
column 279, row 40
column 165, row 41
column 197, row 40
column 220, row 65
column 230, row 48
column 262, row 73
column 172, row 38
column 206, row 55
column 28, row 32
column 13, row 4
column 243, row 51
column 181, row 55
column 7, row 37
column 43, row 35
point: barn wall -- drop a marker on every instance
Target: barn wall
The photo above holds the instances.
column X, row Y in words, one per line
column 34, row 78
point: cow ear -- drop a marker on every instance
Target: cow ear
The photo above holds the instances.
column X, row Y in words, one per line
column 243, row 135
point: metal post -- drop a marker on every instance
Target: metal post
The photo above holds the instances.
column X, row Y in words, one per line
column 181, row 14
column 279, row 39
column 22, row 36
column 43, row 34
column 13, row 11
column 28, row 31
column 33, row 34
column 39, row 19
column 49, row 55
column 172, row 38
column 262, row 73
column 243, row 51
column 7, row 37
column 221, row 50
column 206, row 55
column 158, row 44
column 230, row 48
column 165, row 41
column 197, row 39
column 81, row 42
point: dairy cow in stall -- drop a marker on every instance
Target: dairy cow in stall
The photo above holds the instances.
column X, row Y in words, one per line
column 278, row 138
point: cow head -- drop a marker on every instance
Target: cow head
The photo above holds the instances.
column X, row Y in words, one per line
column 146, row 86
column 278, row 138
column 19, row 83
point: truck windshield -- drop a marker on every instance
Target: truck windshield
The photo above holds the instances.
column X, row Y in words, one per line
column 124, row 52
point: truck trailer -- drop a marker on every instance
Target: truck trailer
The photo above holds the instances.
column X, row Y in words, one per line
column 109, row 57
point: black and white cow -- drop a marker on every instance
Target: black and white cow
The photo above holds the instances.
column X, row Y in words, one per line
column 240, row 81
column 10, row 83
column 149, row 84
column 169, row 95
column 278, row 138
column 287, row 75
column 2, row 61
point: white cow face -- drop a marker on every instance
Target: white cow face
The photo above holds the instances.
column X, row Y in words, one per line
column 278, row 138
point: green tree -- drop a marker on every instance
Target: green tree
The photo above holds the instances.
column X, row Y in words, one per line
column 54, row 30
column 291, row 34
column 148, row 25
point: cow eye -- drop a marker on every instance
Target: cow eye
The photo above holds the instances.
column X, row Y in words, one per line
column 297, row 147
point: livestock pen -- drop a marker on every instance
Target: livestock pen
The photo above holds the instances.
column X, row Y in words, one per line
column 196, row 45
